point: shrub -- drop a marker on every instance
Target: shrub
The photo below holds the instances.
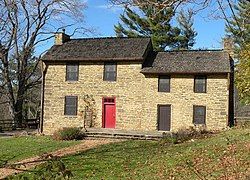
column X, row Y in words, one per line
column 168, row 139
column 69, row 133
column 184, row 134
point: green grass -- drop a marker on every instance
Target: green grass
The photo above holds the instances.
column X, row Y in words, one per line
column 153, row 160
column 221, row 156
column 18, row 148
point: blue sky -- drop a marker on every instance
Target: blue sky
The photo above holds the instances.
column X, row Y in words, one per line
column 102, row 17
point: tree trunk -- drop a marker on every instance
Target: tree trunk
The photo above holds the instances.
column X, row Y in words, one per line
column 18, row 115
column 20, row 99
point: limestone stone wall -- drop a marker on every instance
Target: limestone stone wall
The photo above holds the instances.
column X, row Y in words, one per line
column 136, row 96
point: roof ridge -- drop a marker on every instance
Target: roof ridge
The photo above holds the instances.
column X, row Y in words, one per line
column 109, row 37
column 193, row 50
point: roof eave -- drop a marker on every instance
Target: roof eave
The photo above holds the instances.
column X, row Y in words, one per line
column 93, row 59
column 189, row 73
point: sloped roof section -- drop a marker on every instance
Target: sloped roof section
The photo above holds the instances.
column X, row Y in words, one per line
column 99, row 49
column 187, row 62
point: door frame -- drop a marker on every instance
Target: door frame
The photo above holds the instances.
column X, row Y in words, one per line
column 158, row 115
column 103, row 108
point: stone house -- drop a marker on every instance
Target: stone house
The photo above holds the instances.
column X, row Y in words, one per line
column 122, row 83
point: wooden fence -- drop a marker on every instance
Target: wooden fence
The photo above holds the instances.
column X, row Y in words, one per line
column 242, row 121
column 9, row 124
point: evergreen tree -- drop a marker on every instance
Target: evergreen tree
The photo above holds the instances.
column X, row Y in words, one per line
column 239, row 26
column 243, row 74
column 152, row 22
column 188, row 34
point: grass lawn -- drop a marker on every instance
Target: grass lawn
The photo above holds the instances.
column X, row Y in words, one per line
column 17, row 148
column 226, row 154
column 219, row 157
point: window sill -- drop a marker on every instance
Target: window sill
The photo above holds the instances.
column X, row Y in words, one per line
column 164, row 132
column 110, row 81
column 70, row 116
column 200, row 125
column 71, row 82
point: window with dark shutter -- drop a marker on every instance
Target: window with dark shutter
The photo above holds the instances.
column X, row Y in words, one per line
column 164, row 84
column 72, row 71
column 70, row 105
column 200, row 84
column 199, row 115
column 109, row 71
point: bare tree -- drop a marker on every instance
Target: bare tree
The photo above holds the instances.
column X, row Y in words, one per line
column 219, row 8
column 24, row 24
column 161, row 4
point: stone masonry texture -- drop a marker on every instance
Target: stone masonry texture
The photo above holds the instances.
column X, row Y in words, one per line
column 136, row 96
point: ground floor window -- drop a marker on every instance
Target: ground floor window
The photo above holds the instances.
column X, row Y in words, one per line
column 70, row 107
column 199, row 115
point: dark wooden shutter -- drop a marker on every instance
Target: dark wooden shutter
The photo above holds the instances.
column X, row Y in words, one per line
column 110, row 69
column 200, row 84
column 164, row 84
column 70, row 105
column 164, row 117
column 199, row 115
column 72, row 72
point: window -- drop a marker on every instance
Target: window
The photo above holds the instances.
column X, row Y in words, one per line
column 109, row 71
column 109, row 100
column 72, row 71
column 199, row 115
column 70, row 105
column 200, row 84
column 164, row 84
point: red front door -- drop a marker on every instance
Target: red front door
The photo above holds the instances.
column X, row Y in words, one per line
column 109, row 113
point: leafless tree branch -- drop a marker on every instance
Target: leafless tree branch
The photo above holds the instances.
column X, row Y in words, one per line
column 23, row 26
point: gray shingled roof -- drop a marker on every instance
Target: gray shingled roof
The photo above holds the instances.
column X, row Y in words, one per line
column 99, row 49
column 199, row 61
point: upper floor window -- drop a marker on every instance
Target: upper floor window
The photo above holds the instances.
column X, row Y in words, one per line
column 70, row 107
column 164, row 84
column 199, row 115
column 72, row 72
column 200, row 84
column 110, row 71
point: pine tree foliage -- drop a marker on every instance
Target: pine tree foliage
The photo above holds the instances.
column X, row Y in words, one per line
column 243, row 74
column 239, row 29
column 153, row 22
column 188, row 34
column 239, row 26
